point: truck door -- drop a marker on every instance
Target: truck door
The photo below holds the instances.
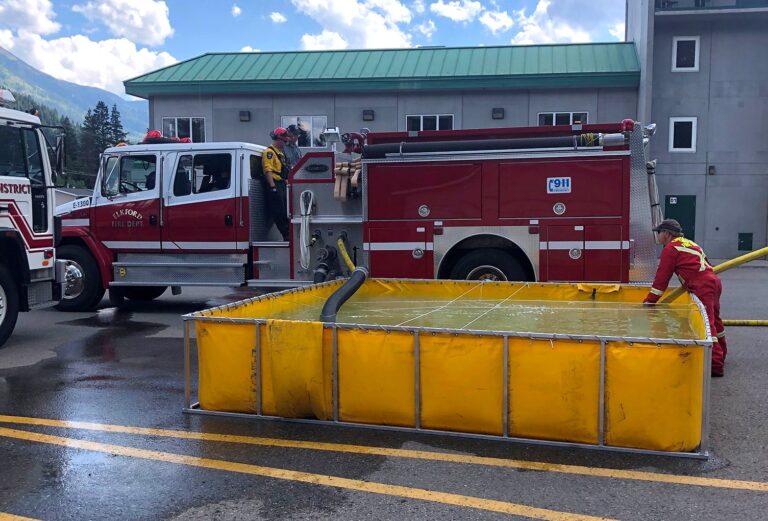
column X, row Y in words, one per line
column 564, row 252
column 23, row 191
column 126, row 209
column 201, row 212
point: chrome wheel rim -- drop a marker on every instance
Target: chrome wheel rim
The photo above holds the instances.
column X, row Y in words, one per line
column 74, row 282
column 3, row 305
column 486, row 272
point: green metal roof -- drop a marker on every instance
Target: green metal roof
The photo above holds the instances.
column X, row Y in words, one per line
column 446, row 68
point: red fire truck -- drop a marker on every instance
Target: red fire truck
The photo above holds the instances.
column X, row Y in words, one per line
column 28, row 274
column 562, row 203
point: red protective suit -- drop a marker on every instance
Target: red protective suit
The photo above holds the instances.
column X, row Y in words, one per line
column 686, row 259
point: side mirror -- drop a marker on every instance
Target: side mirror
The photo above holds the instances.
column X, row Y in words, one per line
column 58, row 169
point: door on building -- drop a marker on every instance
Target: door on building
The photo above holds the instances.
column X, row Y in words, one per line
column 683, row 209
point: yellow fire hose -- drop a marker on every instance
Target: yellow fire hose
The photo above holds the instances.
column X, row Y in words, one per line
column 345, row 255
column 738, row 261
column 736, row 322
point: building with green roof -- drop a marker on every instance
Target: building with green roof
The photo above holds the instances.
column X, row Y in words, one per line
column 241, row 96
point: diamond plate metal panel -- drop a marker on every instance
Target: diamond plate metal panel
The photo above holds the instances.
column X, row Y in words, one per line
column 643, row 250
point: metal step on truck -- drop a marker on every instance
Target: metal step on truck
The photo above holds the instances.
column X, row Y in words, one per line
column 561, row 203
column 28, row 268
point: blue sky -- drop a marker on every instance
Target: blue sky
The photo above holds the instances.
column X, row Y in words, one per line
column 103, row 42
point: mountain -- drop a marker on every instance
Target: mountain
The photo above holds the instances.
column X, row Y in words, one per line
column 69, row 99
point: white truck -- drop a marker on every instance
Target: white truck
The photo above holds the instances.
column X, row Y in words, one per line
column 28, row 268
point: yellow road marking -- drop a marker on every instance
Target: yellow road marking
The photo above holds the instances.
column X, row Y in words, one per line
column 11, row 517
column 305, row 477
column 674, row 479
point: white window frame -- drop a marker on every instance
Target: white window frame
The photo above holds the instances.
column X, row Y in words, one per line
column 421, row 120
column 687, row 119
column 311, row 119
column 553, row 113
column 176, row 126
column 696, row 53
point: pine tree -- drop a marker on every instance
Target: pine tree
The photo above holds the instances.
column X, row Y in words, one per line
column 118, row 134
column 89, row 143
column 101, row 127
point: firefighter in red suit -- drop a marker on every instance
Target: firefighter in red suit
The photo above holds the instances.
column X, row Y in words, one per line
column 687, row 260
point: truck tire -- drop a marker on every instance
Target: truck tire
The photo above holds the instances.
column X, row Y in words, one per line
column 82, row 288
column 9, row 304
column 488, row 264
column 143, row 293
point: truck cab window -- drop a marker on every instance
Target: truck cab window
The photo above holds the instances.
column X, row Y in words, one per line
column 202, row 173
column 11, row 153
column 137, row 173
column 34, row 157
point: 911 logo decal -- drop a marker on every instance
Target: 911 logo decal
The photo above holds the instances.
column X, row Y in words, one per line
column 558, row 185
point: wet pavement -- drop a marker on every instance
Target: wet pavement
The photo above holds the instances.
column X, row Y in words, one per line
column 123, row 371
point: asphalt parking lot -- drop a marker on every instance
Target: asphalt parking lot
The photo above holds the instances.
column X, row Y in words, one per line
column 91, row 428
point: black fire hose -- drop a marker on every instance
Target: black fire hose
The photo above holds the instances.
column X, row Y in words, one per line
column 341, row 295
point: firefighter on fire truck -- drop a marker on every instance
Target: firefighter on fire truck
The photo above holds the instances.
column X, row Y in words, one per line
column 276, row 174
column 686, row 259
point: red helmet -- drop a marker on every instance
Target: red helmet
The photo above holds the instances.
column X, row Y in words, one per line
column 185, row 140
column 279, row 133
column 153, row 134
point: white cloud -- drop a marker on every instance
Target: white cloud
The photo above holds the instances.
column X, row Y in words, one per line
column 6, row 39
column 497, row 21
column 278, row 18
column 324, row 40
column 29, row 15
column 617, row 31
column 248, row 48
column 104, row 64
column 419, row 7
column 457, row 10
column 363, row 23
column 542, row 27
column 141, row 21
column 236, row 11
column 393, row 10
column 428, row 28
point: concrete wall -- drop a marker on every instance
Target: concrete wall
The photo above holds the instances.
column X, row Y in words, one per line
column 729, row 96
column 470, row 110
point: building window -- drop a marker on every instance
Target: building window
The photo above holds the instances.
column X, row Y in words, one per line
column 311, row 128
column 563, row 118
column 193, row 128
column 682, row 134
column 685, row 54
column 417, row 123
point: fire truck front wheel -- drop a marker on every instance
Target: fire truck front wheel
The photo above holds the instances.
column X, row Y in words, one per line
column 488, row 264
column 82, row 280
column 9, row 304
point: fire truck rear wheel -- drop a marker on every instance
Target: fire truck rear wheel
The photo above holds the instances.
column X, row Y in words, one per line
column 488, row 264
column 82, row 287
column 9, row 304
